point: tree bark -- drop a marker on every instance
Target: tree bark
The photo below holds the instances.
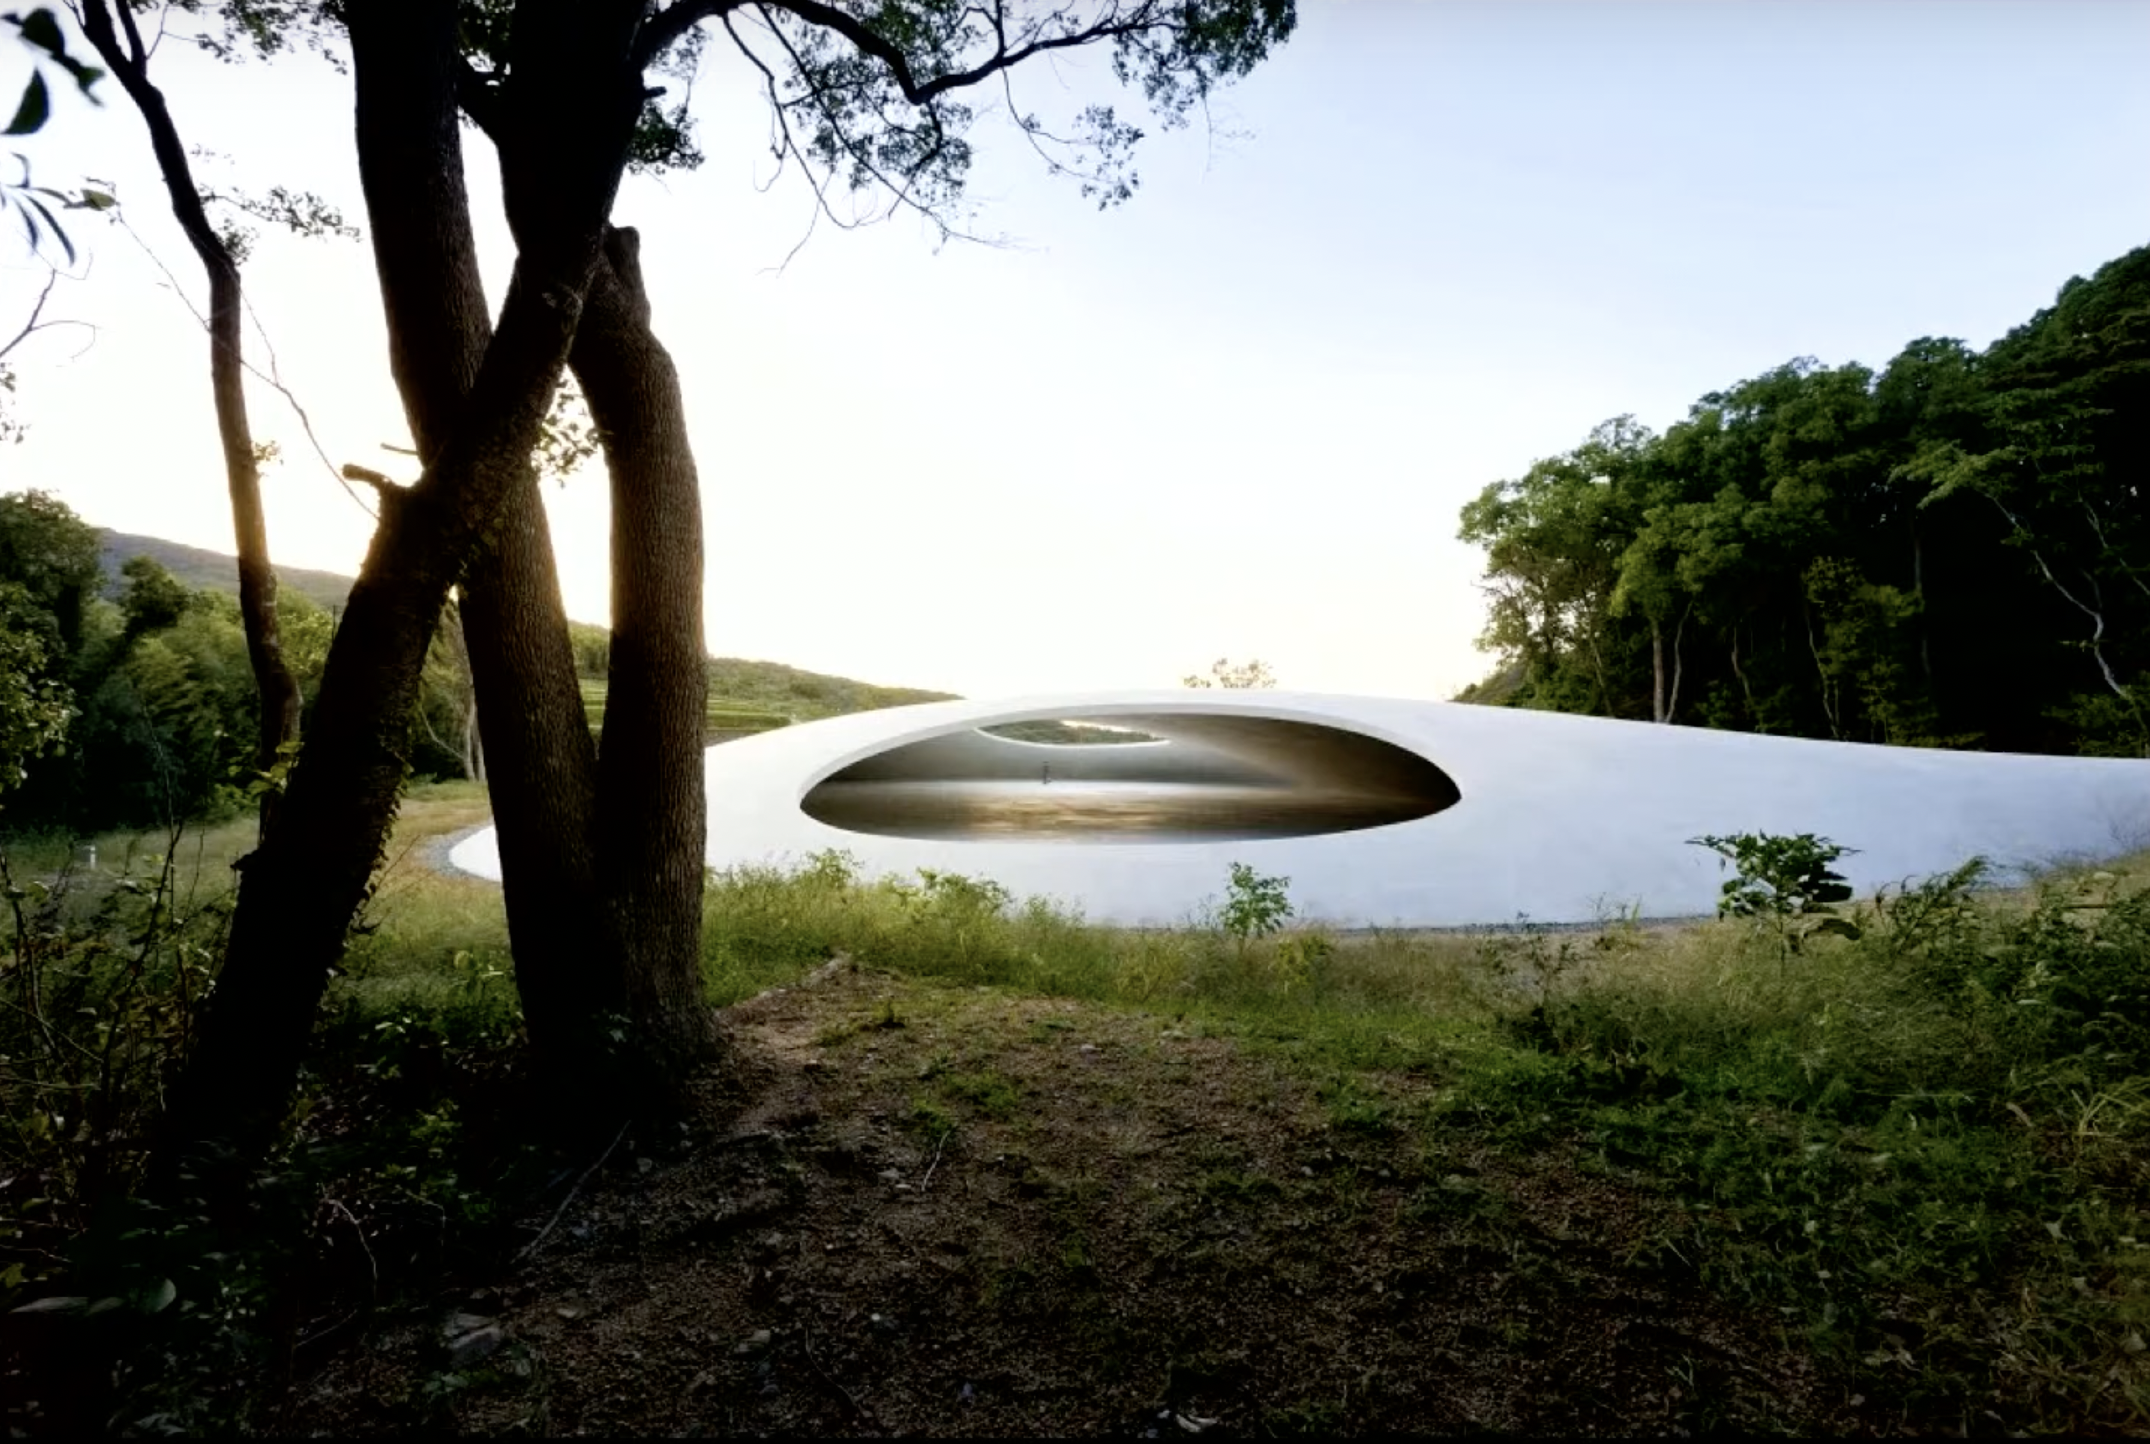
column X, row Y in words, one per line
column 652, row 828
column 278, row 690
column 302, row 888
column 1597, row 658
column 1745, row 689
column 1672, row 703
column 541, row 763
column 1827, row 683
column 601, row 855
column 1657, row 671
column 471, row 749
column 541, row 772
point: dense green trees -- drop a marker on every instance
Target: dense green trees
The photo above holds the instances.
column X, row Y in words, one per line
column 131, row 701
column 1954, row 551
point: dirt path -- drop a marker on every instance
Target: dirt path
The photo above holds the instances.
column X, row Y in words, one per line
column 957, row 1212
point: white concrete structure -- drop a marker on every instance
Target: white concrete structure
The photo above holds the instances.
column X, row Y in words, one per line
column 1380, row 811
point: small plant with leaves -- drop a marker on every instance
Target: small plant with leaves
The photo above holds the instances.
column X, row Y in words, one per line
column 832, row 869
column 1302, row 958
column 1254, row 906
column 954, row 898
column 1785, row 881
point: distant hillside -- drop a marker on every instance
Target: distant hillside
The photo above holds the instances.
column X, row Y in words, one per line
column 200, row 567
column 802, row 696
column 743, row 696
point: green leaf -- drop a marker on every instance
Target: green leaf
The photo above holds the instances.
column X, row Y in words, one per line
column 98, row 200
column 35, row 107
column 158, row 1299
column 42, row 29
column 59, row 233
column 85, row 75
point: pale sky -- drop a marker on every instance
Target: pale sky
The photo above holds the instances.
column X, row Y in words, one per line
column 1425, row 245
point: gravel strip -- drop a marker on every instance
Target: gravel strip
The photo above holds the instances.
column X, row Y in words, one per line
column 432, row 854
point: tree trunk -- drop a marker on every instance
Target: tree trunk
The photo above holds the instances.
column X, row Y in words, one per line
column 1827, row 682
column 541, row 771
column 277, row 688
column 1745, row 690
column 601, row 863
column 1657, row 671
column 470, row 749
column 302, row 888
column 1672, row 703
column 473, row 741
column 652, row 829
column 1597, row 658
column 540, row 762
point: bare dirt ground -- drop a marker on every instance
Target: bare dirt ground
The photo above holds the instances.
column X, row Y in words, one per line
column 921, row 1209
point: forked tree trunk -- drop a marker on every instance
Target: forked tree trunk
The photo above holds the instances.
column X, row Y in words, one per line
column 541, row 764
column 277, row 689
column 601, row 862
column 303, row 887
column 1662, row 706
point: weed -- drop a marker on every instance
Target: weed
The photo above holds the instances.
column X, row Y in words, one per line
column 1228, row 1187
column 988, row 1092
column 931, row 1119
column 1785, row 882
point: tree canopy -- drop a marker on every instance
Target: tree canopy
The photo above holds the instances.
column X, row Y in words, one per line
column 1952, row 551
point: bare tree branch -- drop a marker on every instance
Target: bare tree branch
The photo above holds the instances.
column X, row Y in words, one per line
column 675, row 21
column 33, row 325
column 269, row 378
column 2095, row 613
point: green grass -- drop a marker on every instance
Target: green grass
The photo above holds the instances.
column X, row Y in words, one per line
column 1924, row 1151
column 747, row 697
column 722, row 716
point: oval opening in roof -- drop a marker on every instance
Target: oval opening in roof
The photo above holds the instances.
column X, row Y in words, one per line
column 1196, row 777
column 1057, row 732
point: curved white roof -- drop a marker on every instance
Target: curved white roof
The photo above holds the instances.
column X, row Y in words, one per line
column 1551, row 816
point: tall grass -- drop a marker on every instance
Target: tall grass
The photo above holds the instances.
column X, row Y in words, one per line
column 1926, row 1149
column 1929, row 1147
column 766, row 925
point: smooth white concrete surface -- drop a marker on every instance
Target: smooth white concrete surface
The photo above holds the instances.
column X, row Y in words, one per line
column 1554, row 817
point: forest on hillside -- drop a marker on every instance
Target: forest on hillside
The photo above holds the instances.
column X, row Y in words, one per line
column 126, row 698
column 1953, row 551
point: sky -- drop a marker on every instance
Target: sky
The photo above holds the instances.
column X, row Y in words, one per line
column 1426, row 244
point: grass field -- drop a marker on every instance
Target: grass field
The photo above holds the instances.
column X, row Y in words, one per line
column 724, row 718
column 1001, row 1170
